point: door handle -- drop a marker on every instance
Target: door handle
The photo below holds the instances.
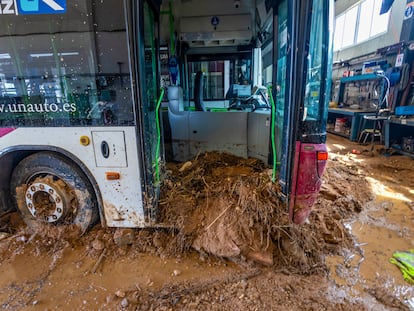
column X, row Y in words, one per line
column 105, row 149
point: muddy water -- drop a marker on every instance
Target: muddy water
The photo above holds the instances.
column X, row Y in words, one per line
column 67, row 283
column 383, row 227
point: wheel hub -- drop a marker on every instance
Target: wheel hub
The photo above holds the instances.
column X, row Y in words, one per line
column 47, row 199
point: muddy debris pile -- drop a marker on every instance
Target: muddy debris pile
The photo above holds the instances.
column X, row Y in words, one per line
column 228, row 207
column 220, row 205
column 223, row 205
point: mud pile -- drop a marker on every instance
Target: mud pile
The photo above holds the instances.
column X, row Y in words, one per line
column 228, row 206
column 220, row 205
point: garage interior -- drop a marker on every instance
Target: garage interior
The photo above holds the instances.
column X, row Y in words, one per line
column 346, row 257
column 373, row 61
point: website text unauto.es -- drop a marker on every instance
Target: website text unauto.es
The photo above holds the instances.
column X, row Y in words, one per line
column 39, row 108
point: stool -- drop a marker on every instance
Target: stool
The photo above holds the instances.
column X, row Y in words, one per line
column 375, row 131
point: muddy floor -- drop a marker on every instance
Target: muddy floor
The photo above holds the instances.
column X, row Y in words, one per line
column 226, row 243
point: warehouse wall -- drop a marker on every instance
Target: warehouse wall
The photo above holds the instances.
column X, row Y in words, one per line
column 391, row 37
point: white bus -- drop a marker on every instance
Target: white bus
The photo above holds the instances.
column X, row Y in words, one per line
column 81, row 136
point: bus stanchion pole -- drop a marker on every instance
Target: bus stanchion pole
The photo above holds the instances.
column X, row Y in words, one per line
column 272, row 102
column 157, row 150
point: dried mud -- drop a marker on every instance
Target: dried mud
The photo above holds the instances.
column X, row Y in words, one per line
column 226, row 243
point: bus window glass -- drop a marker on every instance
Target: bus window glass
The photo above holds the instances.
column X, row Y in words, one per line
column 150, row 90
column 150, row 60
column 282, row 29
column 214, row 75
column 313, row 97
column 63, row 69
column 220, row 75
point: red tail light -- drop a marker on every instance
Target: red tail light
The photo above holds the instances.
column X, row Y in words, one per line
column 322, row 156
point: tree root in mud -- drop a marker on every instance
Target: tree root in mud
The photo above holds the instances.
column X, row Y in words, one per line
column 227, row 206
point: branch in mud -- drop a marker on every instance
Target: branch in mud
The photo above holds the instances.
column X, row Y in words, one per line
column 172, row 294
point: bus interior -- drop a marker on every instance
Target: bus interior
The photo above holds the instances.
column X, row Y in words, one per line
column 218, row 100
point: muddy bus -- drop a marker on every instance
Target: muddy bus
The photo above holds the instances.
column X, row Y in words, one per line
column 84, row 84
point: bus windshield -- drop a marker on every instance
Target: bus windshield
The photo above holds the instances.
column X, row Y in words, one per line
column 221, row 74
column 64, row 70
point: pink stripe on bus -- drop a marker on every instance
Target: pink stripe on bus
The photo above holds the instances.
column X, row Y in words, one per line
column 5, row 131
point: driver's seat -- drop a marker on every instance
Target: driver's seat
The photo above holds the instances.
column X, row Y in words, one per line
column 198, row 92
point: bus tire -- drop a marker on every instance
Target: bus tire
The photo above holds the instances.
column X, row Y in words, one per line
column 50, row 189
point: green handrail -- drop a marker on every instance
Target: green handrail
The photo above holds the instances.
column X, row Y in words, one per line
column 272, row 129
column 157, row 150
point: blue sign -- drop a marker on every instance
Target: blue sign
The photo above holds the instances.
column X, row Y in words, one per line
column 408, row 12
column 215, row 21
column 173, row 66
column 41, row 6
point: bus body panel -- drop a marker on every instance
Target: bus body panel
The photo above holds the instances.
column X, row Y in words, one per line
column 307, row 180
column 122, row 198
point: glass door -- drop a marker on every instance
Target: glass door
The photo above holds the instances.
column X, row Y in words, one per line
column 302, row 56
column 290, row 45
column 319, row 75
column 149, row 92
column 281, row 88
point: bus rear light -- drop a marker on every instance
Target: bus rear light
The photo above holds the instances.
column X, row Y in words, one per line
column 322, row 156
column 112, row 176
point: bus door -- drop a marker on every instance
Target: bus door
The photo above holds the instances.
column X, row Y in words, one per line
column 149, row 91
column 302, row 47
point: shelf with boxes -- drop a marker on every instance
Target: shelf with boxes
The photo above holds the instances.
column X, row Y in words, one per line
column 346, row 122
column 357, row 96
column 399, row 134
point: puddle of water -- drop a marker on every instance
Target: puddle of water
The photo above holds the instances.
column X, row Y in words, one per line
column 72, row 285
column 23, row 267
column 382, row 227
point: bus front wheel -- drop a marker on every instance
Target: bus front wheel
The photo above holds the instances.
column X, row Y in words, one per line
column 50, row 189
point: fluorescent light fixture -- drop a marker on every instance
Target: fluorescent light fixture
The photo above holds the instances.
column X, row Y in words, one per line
column 68, row 54
column 51, row 54
column 5, row 56
column 42, row 55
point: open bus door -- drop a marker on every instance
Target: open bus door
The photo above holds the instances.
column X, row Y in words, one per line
column 148, row 120
column 302, row 56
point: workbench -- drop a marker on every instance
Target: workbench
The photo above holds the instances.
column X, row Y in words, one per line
column 395, row 129
column 354, row 116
